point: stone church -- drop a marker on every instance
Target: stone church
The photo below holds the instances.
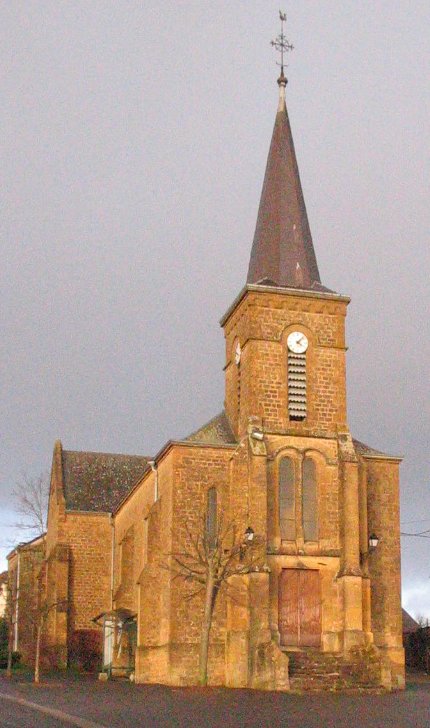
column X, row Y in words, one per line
column 280, row 460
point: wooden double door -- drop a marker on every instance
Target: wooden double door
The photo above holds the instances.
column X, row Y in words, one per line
column 299, row 608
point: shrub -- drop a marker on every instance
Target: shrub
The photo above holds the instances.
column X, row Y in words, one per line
column 85, row 650
column 16, row 658
column 417, row 648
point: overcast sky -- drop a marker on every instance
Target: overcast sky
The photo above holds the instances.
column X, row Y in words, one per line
column 134, row 137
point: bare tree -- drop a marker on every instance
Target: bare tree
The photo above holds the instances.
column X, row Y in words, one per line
column 30, row 596
column 31, row 505
column 209, row 560
column 31, row 496
column 422, row 621
column 40, row 610
column 8, row 615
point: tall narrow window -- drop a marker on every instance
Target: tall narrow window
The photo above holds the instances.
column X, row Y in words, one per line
column 297, row 344
column 309, row 501
column 211, row 517
column 237, row 358
column 287, row 509
column 145, row 540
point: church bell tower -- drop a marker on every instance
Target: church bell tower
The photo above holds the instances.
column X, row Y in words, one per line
column 307, row 480
column 285, row 333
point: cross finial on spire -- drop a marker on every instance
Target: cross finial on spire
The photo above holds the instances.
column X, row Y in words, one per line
column 282, row 45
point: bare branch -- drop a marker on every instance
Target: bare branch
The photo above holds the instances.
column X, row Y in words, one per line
column 31, row 503
column 190, row 596
column 198, row 544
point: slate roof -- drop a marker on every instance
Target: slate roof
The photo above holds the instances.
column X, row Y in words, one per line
column 96, row 481
column 283, row 250
column 317, row 286
column 215, row 432
column 408, row 623
column 218, row 432
column 363, row 449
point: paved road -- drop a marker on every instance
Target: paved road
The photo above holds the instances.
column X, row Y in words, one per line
column 17, row 716
column 121, row 704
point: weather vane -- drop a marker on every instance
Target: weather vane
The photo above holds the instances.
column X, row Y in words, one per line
column 281, row 44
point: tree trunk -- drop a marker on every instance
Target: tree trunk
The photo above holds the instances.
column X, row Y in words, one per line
column 206, row 628
column 9, row 650
column 37, row 658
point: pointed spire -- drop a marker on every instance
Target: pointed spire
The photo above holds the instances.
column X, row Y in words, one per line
column 282, row 83
column 282, row 252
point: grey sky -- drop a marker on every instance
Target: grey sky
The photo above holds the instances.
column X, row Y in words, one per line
column 134, row 138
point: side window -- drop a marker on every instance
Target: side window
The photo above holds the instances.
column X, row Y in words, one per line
column 145, row 540
column 287, row 504
column 211, row 517
column 126, row 556
column 309, row 501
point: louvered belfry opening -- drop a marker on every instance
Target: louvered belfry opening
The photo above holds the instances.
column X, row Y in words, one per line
column 296, row 386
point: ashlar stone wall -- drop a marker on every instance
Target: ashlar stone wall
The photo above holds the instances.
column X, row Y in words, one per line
column 258, row 385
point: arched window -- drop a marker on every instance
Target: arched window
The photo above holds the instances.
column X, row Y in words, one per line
column 309, row 500
column 211, row 517
column 287, row 501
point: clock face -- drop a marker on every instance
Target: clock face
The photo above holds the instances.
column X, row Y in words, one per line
column 297, row 342
column 237, row 353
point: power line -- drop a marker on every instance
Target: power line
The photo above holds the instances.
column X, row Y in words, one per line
column 420, row 520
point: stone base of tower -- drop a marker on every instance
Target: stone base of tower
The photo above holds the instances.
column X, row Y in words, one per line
column 312, row 670
column 178, row 664
column 393, row 668
column 253, row 659
column 267, row 667
column 264, row 667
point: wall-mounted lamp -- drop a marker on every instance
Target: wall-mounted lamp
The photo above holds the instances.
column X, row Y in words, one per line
column 373, row 542
column 257, row 435
column 248, row 538
column 249, row 535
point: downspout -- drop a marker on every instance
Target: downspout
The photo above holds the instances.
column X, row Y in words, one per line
column 112, row 523
column 154, row 469
column 15, row 637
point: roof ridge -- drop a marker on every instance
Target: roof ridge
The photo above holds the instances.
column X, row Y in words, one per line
column 111, row 454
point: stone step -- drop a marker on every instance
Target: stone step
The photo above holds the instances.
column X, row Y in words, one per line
column 314, row 663
column 310, row 670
